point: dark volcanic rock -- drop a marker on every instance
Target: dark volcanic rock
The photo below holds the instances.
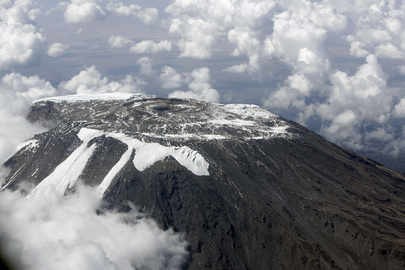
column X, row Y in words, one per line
column 276, row 196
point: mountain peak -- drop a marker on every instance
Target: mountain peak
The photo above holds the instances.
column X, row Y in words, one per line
column 248, row 189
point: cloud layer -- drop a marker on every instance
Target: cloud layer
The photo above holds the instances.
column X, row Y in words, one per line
column 70, row 233
column 16, row 94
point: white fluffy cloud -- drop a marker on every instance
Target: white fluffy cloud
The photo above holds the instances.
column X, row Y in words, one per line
column 142, row 47
column 377, row 29
column 200, row 87
column 399, row 109
column 57, row 49
column 118, row 41
column 150, row 46
column 198, row 24
column 241, row 68
column 246, row 44
column 197, row 37
column 170, row 78
column 298, row 37
column 82, row 11
column 20, row 40
column 146, row 15
column 16, row 94
column 90, row 81
column 349, row 106
column 68, row 233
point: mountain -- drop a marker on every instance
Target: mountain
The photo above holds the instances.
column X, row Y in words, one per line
column 249, row 189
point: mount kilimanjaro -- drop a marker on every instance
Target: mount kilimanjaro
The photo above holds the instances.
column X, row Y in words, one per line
column 248, row 189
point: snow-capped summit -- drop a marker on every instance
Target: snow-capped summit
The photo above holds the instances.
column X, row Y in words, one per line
column 170, row 119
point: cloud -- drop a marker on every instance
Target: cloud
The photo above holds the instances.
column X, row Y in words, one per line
column 119, row 42
column 246, row 44
column 151, row 47
column 90, row 81
column 241, row 68
column 198, row 24
column 170, row 78
column 81, row 11
column 70, row 232
column 200, row 87
column 354, row 109
column 351, row 106
column 146, row 66
column 377, row 29
column 388, row 50
column 356, row 100
column 399, row 109
column 299, row 34
column 16, row 94
column 20, row 40
column 57, row 49
column 146, row 15
column 197, row 37
column 142, row 47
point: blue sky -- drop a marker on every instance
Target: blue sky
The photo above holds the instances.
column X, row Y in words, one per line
column 335, row 66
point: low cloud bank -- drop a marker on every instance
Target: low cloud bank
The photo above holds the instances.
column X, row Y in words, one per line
column 69, row 232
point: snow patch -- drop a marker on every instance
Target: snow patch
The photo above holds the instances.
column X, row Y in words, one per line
column 248, row 110
column 30, row 145
column 232, row 122
column 67, row 173
column 114, row 171
column 147, row 154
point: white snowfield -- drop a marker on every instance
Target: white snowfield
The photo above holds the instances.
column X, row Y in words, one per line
column 28, row 145
column 91, row 97
column 255, row 122
column 67, row 174
column 248, row 110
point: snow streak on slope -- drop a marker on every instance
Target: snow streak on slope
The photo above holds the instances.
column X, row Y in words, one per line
column 147, row 154
column 67, row 173
column 114, row 171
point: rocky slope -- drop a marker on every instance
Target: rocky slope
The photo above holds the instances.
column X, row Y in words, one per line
column 249, row 190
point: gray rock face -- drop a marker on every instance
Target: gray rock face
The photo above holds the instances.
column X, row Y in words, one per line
column 249, row 189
